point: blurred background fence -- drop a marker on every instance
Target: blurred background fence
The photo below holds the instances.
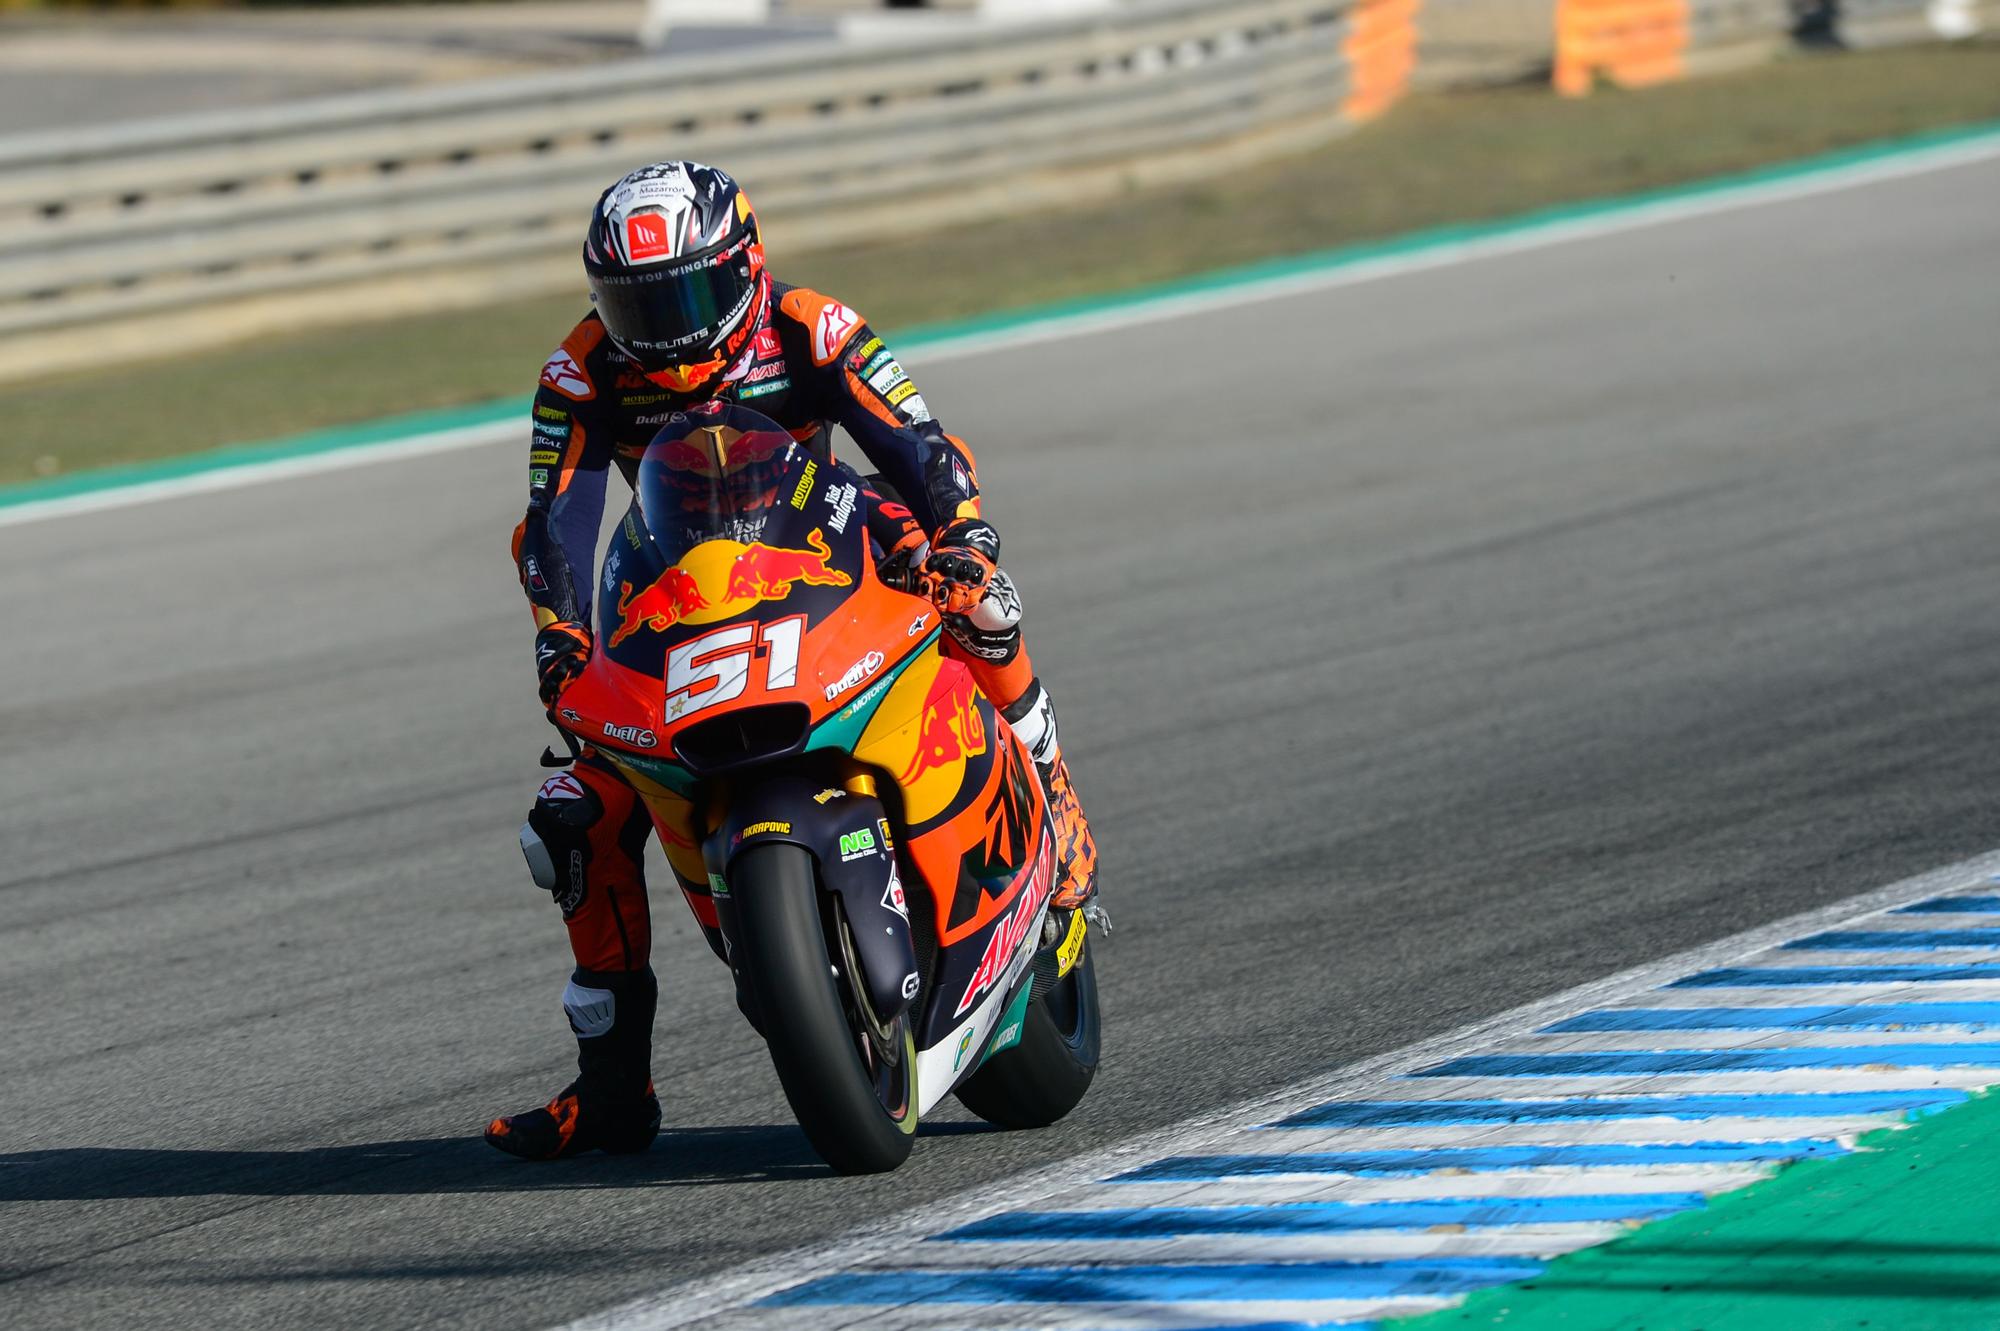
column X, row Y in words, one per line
column 274, row 211
column 1631, row 43
column 120, row 239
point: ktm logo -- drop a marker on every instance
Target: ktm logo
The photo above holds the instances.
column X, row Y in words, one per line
column 1007, row 820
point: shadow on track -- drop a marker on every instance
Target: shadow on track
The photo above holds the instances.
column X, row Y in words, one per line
column 684, row 1157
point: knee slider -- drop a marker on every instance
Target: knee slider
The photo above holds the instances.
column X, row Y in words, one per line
column 555, row 840
column 541, row 860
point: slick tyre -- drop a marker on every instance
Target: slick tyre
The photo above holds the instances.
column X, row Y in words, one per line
column 1044, row 1076
column 859, row 1122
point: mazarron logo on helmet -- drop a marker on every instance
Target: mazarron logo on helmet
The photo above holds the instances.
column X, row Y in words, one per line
column 676, row 270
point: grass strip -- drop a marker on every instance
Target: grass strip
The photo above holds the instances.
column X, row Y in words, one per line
column 1436, row 160
column 1898, row 1236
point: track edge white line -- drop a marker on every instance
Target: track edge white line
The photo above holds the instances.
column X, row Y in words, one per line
column 679, row 1305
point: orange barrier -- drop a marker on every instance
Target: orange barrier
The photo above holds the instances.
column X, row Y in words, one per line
column 1381, row 50
column 1627, row 42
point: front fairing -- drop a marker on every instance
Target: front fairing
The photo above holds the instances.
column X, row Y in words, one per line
column 728, row 587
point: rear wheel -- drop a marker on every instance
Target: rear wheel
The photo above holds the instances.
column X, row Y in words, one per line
column 855, row 1095
column 1043, row 1077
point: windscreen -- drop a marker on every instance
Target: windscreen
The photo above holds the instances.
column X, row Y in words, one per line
column 713, row 474
column 729, row 516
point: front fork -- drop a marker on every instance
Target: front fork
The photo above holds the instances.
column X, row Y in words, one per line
column 846, row 830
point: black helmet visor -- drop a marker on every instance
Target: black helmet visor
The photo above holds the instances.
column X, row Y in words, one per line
column 675, row 313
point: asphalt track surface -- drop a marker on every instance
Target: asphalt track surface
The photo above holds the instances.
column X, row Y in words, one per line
column 1424, row 647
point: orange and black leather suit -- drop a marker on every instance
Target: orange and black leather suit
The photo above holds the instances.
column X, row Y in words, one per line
column 815, row 365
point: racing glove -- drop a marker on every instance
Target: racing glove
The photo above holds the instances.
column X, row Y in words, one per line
column 961, row 562
column 562, row 650
column 899, row 567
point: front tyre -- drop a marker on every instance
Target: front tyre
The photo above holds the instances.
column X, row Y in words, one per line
column 858, row 1107
column 1042, row 1078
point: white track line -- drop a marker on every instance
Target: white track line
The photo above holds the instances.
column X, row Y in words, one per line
column 1362, row 1245
column 1606, row 1182
column 1041, row 1189
column 1615, row 218
column 1651, row 1130
column 1641, row 1041
column 1088, row 1317
column 257, row 473
column 1609, row 218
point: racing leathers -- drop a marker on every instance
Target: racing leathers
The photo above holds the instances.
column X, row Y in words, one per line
column 814, row 364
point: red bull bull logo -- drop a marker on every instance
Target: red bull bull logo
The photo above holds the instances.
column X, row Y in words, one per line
column 669, row 600
column 952, row 727
column 735, row 576
column 686, row 378
column 767, row 572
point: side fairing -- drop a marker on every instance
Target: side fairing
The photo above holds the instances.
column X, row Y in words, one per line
column 974, row 986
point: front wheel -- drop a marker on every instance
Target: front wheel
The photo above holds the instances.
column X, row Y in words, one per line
column 856, row 1102
column 1043, row 1077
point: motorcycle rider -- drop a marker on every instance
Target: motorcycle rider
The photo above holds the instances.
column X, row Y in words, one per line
column 685, row 313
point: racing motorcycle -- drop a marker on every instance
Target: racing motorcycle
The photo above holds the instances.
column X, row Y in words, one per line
column 864, row 840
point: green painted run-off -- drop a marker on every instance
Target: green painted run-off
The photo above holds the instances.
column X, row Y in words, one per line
column 1901, row 1235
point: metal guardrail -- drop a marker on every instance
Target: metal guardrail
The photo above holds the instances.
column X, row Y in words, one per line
column 110, row 223
column 1862, row 23
column 1714, row 24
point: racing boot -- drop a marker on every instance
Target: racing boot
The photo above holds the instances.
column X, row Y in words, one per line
column 1033, row 718
column 1076, row 848
column 611, row 1105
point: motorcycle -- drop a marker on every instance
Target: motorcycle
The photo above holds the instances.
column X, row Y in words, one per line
column 864, row 840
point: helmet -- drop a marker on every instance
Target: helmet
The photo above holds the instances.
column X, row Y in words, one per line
column 677, row 274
